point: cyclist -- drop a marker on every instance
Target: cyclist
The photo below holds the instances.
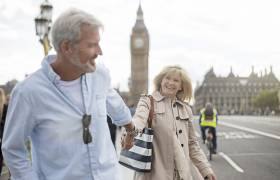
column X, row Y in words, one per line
column 208, row 119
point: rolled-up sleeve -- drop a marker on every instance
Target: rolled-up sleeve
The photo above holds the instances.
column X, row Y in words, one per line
column 117, row 109
column 19, row 125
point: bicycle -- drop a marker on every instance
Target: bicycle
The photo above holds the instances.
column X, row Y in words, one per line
column 209, row 142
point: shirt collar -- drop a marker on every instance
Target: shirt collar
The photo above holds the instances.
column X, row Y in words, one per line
column 48, row 70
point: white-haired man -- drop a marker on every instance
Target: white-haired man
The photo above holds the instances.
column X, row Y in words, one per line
column 62, row 108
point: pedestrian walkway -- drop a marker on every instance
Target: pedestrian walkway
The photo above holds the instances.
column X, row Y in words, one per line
column 4, row 177
column 5, row 174
column 127, row 173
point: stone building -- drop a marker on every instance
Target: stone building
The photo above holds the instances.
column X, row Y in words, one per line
column 233, row 94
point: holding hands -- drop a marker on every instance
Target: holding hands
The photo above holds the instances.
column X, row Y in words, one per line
column 127, row 139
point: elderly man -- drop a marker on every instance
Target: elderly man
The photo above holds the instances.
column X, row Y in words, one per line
column 62, row 109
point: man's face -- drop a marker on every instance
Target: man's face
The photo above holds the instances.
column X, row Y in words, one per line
column 86, row 50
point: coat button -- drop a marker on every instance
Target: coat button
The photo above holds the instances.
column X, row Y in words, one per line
column 182, row 145
column 180, row 131
column 177, row 118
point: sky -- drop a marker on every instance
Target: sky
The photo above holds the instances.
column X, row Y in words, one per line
column 196, row 34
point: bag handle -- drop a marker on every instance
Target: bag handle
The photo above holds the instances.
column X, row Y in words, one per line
column 151, row 112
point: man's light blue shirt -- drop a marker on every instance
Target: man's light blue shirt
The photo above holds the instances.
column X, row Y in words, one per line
column 40, row 111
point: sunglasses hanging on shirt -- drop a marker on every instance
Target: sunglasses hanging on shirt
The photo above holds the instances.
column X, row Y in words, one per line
column 86, row 133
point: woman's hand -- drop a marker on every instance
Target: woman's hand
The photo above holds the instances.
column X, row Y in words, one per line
column 210, row 177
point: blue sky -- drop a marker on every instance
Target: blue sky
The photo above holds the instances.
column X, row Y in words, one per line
column 196, row 34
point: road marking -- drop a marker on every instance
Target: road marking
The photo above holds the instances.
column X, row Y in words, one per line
column 236, row 135
column 231, row 162
column 253, row 154
column 251, row 130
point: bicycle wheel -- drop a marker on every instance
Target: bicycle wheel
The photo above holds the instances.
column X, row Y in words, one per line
column 210, row 148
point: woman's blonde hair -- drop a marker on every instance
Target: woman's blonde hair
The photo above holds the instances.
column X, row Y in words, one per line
column 2, row 101
column 186, row 92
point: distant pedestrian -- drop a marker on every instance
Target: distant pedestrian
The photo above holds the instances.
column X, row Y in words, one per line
column 3, row 111
column 2, row 125
column 113, row 130
column 2, row 100
column 208, row 119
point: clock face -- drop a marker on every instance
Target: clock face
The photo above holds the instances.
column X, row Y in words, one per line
column 138, row 43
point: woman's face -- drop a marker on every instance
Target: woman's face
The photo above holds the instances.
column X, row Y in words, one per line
column 171, row 84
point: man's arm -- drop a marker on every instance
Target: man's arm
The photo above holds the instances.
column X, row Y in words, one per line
column 17, row 130
column 117, row 109
column 121, row 116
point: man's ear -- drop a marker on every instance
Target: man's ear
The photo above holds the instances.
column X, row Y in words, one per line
column 66, row 47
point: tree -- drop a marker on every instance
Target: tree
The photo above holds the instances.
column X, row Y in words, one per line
column 267, row 99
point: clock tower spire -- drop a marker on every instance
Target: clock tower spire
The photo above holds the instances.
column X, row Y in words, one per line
column 139, row 48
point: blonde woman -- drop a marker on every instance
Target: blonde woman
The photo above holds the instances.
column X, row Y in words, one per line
column 176, row 147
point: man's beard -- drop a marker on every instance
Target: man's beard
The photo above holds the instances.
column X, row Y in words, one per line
column 86, row 68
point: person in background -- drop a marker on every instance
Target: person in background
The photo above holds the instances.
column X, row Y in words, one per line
column 2, row 100
column 3, row 111
column 113, row 130
column 62, row 108
column 175, row 145
column 208, row 119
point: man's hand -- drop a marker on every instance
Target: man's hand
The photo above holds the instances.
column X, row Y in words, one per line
column 127, row 141
column 128, row 137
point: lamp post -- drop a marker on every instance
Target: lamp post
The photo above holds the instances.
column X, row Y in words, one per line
column 43, row 25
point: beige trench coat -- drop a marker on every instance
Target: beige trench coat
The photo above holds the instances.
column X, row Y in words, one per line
column 170, row 117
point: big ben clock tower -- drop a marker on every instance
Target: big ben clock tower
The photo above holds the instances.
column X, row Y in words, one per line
column 139, row 47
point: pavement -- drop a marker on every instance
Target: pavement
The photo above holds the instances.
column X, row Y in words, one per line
column 5, row 174
column 127, row 173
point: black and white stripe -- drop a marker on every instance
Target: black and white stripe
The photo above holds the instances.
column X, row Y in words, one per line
column 139, row 157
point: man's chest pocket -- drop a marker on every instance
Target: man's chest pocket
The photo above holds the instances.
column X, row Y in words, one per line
column 101, row 105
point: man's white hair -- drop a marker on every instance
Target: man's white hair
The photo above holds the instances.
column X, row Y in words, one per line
column 68, row 26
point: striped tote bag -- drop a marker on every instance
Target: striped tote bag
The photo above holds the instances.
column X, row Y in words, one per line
column 139, row 157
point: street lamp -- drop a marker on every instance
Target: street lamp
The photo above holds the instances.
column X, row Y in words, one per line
column 43, row 25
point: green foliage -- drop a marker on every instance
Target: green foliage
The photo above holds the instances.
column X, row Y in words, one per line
column 267, row 99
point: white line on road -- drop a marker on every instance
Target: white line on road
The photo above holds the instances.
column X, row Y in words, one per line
column 231, row 162
column 250, row 130
column 253, row 154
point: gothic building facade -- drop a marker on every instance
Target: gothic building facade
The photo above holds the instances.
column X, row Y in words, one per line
column 233, row 94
